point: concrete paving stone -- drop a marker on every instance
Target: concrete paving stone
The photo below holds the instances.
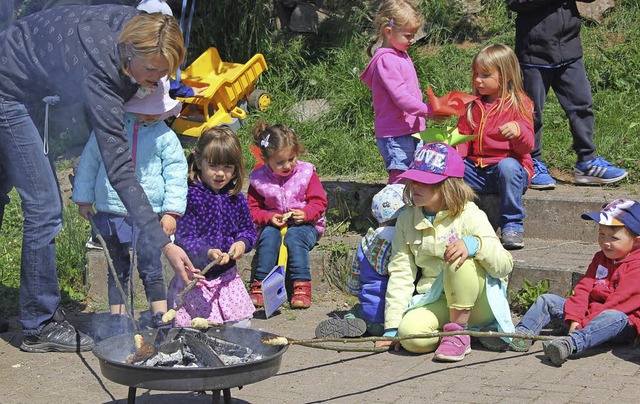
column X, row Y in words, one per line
column 594, row 395
column 518, row 399
column 562, row 397
column 627, row 392
column 626, row 369
column 310, row 375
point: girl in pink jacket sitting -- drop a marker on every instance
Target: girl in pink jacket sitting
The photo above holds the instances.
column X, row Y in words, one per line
column 497, row 160
column 285, row 191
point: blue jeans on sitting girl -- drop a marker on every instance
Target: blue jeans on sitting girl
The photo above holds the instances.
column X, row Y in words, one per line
column 606, row 326
column 507, row 179
column 299, row 240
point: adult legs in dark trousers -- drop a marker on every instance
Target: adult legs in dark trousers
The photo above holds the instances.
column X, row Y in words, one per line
column 573, row 91
column 26, row 167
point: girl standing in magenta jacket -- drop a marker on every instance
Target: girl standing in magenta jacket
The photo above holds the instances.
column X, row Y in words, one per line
column 285, row 191
column 497, row 161
column 392, row 78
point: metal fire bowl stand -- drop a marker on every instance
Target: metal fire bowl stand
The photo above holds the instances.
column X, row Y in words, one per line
column 112, row 354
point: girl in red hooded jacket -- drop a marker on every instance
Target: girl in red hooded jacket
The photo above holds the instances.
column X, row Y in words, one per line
column 497, row 160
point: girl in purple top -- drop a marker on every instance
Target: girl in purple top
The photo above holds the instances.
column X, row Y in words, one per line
column 217, row 223
column 391, row 76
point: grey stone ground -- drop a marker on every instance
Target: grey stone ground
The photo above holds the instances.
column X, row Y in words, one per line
column 309, row 375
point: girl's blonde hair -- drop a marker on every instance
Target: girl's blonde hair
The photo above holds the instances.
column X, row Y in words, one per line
column 218, row 146
column 455, row 194
column 396, row 13
column 147, row 35
column 503, row 60
column 271, row 139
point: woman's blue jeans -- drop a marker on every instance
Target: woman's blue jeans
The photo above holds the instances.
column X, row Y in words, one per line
column 25, row 167
column 606, row 326
column 299, row 240
column 507, row 179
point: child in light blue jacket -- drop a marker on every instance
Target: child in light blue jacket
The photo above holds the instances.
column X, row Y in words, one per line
column 161, row 169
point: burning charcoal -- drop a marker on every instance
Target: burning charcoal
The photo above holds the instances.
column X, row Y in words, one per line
column 205, row 354
column 228, row 348
column 230, row 353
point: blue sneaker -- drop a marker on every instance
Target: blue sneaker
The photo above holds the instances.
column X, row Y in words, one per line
column 598, row 171
column 541, row 177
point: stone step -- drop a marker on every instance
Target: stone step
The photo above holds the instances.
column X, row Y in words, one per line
column 559, row 261
column 551, row 214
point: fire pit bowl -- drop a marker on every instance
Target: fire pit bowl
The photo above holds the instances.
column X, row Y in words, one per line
column 113, row 353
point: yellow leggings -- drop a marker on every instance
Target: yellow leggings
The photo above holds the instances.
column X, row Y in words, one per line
column 463, row 289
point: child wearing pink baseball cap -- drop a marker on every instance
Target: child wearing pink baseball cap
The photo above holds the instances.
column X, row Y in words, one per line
column 605, row 305
column 161, row 169
column 447, row 264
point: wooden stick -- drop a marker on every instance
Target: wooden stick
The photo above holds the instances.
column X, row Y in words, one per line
column 112, row 269
column 195, row 281
column 171, row 313
column 317, row 342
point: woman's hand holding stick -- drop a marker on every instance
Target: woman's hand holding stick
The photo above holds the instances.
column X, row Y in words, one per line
column 169, row 315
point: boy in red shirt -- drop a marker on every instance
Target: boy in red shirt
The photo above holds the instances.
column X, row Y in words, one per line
column 605, row 304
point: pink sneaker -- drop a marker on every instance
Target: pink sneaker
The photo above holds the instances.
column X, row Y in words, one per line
column 453, row 348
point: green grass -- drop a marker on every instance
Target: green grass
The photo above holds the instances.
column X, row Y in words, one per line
column 342, row 142
column 70, row 256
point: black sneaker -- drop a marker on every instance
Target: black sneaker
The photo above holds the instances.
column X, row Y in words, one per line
column 57, row 337
column 156, row 320
column 495, row 344
column 340, row 328
column 152, row 321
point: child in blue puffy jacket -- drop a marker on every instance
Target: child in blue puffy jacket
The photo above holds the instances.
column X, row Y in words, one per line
column 161, row 169
column 368, row 277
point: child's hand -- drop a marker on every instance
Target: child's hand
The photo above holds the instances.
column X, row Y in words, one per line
column 455, row 250
column 237, row 250
column 214, row 254
column 572, row 327
column 278, row 220
column 84, row 211
column 509, row 130
column 168, row 224
column 298, row 216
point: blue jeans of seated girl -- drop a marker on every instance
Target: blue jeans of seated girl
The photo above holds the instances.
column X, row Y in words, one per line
column 507, row 179
column 299, row 240
column 606, row 326
column 26, row 167
column 397, row 152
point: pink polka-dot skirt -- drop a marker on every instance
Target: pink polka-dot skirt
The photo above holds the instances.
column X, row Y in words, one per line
column 218, row 300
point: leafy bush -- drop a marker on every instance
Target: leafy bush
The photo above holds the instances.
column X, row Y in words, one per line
column 521, row 300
